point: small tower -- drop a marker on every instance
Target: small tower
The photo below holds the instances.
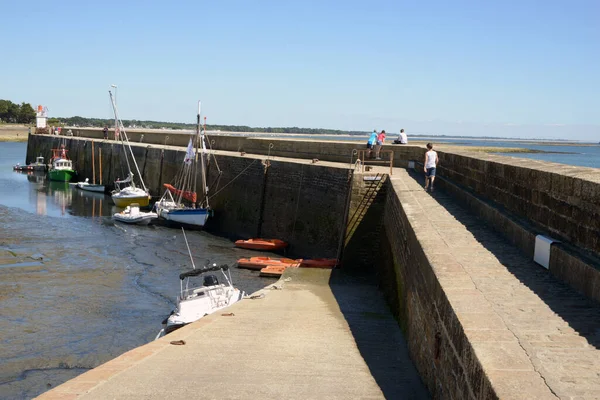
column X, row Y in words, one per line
column 40, row 120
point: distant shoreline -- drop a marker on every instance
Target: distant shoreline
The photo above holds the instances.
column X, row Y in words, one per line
column 14, row 133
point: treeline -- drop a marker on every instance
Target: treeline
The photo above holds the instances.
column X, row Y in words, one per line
column 133, row 123
column 16, row 113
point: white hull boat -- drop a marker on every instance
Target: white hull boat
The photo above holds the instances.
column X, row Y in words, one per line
column 90, row 187
column 93, row 187
column 197, row 301
column 183, row 215
column 133, row 215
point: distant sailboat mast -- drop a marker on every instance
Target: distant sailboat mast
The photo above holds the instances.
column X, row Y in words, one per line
column 204, row 188
column 122, row 134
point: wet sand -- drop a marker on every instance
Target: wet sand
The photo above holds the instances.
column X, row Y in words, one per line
column 76, row 292
column 14, row 133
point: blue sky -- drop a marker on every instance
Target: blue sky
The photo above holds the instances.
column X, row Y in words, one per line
column 502, row 68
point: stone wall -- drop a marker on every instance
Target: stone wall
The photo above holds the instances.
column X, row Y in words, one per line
column 299, row 202
column 325, row 150
column 559, row 200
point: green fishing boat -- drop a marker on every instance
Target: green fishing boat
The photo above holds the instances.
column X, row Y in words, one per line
column 62, row 168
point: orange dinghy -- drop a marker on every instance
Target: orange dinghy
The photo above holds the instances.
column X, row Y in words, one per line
column 319, row 263
column 258, row 263
column 261, row 244
column 275, row 270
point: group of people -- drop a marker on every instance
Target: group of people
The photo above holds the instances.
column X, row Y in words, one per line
column 430, row 163
column 375, row 142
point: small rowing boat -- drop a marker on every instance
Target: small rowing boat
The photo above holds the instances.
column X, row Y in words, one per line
column 276, row 270
column 258, row 263
column 261, row 244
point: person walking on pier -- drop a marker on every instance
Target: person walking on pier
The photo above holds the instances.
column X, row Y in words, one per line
column 105, row 130
column 429, row 166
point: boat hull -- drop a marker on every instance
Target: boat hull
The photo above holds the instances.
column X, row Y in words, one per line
column 61, row 175
column 29, row 167
column 261, row 244
column 123, row 202
column 91, row 188
column 140, row 220
column 187, row 216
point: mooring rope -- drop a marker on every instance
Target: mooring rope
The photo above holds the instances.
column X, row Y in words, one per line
column 231, row 181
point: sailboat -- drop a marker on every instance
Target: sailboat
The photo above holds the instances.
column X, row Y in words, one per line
column 126, row 192
column 171, row 205
column 93, row 187
column 61, row 168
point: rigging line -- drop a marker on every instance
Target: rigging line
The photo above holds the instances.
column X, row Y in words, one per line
column 212, row 150
column 231, row 181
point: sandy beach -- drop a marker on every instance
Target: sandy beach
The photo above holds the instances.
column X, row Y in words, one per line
column 14, row 133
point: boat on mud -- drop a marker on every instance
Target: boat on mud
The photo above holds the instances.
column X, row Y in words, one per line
column 258, row 263
column 132, row 215
column 197, row 300
column 181, row 202
column 261, row 244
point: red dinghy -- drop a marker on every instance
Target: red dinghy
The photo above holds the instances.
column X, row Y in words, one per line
column 319, row 263
column 261, row 244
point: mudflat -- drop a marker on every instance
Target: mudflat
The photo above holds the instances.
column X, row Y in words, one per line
column 14, row 133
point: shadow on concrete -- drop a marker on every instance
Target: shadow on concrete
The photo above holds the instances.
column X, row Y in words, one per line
column 582, row 314
column 377, row 334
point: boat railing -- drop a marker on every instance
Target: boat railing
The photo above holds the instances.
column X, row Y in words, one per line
column 366, row 159
column 207, row 290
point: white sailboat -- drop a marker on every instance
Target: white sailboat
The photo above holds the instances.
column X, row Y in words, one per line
column 171, row 205
column 197, row 301
column 126, row 192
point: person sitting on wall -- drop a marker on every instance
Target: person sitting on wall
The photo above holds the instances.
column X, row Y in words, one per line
column 402, row 138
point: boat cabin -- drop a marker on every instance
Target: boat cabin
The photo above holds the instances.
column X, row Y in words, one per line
column 63, row 164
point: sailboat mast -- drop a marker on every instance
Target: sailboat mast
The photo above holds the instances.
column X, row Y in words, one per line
column 197, row 140
column 114, row 106
column 204, row 191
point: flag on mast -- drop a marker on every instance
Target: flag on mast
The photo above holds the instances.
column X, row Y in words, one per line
column 189, row 154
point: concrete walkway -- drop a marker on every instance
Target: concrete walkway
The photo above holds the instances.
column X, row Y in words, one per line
column 305, row 339
column 534, row 336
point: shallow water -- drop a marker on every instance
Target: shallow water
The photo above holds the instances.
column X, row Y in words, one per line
column 76, row 289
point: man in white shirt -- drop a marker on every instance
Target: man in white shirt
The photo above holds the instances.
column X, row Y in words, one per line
column 429, row 166
column 402, row 138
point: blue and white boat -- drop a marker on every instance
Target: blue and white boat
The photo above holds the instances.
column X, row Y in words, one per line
column 180, row 203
